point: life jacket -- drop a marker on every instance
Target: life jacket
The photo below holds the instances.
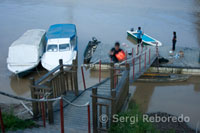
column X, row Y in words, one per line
column 120, row 55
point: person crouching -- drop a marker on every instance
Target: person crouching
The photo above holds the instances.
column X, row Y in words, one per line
column 117, row 54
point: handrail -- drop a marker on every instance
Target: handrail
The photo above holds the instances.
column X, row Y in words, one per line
column 47, row 74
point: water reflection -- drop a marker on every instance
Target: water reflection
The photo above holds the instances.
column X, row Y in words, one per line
column 175, row 98
column 21, row 86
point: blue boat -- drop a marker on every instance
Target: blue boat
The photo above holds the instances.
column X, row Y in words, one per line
column 146, row 39
column 61, row 44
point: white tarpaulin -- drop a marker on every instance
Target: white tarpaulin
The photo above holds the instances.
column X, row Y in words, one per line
column 27, row 49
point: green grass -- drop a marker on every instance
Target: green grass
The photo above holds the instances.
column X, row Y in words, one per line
column 129, row 127
column 12, row 123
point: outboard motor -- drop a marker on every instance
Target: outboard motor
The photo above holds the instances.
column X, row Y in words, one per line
column 132, row 29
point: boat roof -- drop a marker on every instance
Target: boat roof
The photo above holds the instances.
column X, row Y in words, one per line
column 31, row 37
column 61, row 31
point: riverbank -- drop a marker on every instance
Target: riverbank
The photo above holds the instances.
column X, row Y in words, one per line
column 133, row 120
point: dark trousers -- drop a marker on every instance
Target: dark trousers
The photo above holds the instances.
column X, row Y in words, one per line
column 139, row 41
column 173, row 45
column 114, row 59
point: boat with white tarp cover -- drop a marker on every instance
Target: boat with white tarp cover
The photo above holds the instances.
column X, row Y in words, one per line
column 25, row 53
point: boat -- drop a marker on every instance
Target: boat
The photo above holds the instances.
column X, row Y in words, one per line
column 25, row 53
column 162, row 77
column 61, row 44
column 90, row 49
column 146, row 39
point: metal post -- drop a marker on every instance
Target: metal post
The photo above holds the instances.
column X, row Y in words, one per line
column 112, row 76
column 137, row 49
column 61, row 116
column 99, row 71
column 113, row 103
column 43, row 114
column 141, row 48
column 199, row 56
column 89, row 127
column 132, row 52
column 1, row 120
column 140, row 63
column 75, row 68
column 83, row 77
column 157, row 54
column 133, row 61
column 145, row 58
column 126, row 56
column 94, row 110
column 149, row 56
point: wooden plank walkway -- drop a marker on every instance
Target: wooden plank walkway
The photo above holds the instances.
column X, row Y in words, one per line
column 76, row 118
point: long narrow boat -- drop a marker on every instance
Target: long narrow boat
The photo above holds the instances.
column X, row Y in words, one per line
column 146, row 39
column 25, row 53
column 61, row 44
column 90, row 49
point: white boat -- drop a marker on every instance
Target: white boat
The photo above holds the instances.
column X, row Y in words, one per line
column 25, row 53
column 146, row 39
column 61, row 44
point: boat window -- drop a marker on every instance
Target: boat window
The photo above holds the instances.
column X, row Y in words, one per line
column 64, row 47
column 52, row 48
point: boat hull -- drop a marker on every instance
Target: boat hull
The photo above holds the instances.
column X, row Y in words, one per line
column 146, row 40
column 23, row 71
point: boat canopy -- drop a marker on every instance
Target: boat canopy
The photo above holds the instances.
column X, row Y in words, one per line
column 61, row 31
column 28, row 48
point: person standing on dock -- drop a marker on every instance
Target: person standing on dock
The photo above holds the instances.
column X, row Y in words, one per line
column 174, row 41
column 139, row 35
column 117, row 54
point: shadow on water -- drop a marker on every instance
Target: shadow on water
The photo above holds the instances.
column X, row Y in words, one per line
column 20, row 86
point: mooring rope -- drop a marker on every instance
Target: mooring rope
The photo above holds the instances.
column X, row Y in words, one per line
column 29, row 99
column 76, row 105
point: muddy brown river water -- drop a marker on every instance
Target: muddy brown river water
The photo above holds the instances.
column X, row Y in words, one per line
column 108, row 20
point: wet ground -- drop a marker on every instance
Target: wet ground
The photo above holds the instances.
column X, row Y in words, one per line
column 108, row 21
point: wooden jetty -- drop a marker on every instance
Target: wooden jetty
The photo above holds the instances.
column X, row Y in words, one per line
column 106, row 98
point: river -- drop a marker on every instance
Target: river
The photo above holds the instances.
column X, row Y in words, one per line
column 107, row 20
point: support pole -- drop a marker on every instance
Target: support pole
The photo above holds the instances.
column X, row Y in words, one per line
column 43, row 114
column 99, row 71
column 94, row 110
column 137, row 49
column 112, row 76
column 1, row 120
column 141, row 49
column 133, row 61
column 149, row 56
column 50, row 104
column 115, row 81
column 61, row 116
column 145, row 59
column 126, row 56
column 75, row 78
column 140, row 63
column 89, row 127
column 113, row 103
column 83, row 77
column 33, row 96
column 132, row 52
